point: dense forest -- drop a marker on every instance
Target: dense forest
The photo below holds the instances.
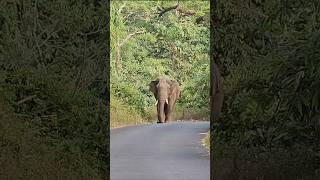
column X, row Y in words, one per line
column 270, row 127
column 153, row 38
column 53, row 90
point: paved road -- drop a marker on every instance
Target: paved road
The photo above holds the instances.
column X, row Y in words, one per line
column 171, row 151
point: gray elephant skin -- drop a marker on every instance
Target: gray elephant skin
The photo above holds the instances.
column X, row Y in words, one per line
column 166, row 92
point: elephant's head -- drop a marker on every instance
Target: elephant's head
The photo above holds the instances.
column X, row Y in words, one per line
column 166, row 92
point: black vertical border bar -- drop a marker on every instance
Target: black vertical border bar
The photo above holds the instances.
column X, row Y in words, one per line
column 107, row 59
column 213, row 6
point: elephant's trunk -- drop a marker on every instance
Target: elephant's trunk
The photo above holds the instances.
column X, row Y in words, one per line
column 161, row 113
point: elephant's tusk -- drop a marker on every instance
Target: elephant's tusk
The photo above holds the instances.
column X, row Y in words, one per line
column 156, row 103
column 167, row 101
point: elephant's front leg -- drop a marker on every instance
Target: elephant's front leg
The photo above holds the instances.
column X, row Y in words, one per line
column 168, row 113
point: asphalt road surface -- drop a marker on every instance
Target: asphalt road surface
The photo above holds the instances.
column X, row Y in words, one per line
column 170, row 151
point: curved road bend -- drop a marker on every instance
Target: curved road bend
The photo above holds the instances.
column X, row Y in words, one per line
column 171, row 151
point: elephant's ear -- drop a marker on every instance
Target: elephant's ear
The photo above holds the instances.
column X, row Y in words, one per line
column 153, row 87
column 174, row 86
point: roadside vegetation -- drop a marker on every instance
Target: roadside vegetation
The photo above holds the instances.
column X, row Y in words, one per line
column 53, row 121
column 206, row 141
column 153, row 38
column 123, row 115
column 270, row 128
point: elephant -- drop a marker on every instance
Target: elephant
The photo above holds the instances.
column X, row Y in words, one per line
column 166, row 92
column 216, row 92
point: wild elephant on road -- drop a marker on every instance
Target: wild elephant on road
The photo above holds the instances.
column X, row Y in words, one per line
column 166, row 92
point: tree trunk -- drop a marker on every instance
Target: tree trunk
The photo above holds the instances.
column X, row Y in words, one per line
column 216, row 92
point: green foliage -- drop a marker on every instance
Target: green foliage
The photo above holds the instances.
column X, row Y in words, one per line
column 52, row 80
column 172, row 44
column 271, row 62
column 122, row 115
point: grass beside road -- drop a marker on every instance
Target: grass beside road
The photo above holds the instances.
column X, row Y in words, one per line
column 191, row 113
column 123, row 115
column 206, row 141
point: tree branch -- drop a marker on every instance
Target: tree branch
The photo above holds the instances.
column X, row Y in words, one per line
column 178, row 8
column 129, row 36
column 28, row 98
column 120, row 9
column 164, row 10
column 185, row 12
column 120, row 44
